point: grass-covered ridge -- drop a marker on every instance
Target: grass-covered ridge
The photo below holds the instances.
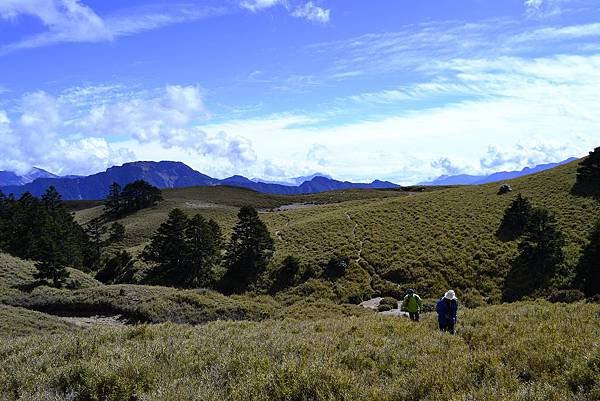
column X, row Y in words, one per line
column 431, row 241
column 15, row 321
column 529, row 351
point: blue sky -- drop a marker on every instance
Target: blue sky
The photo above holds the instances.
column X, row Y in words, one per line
column 358, row 89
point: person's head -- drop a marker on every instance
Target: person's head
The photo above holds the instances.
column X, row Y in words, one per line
column 450, row 295
column 411, row 291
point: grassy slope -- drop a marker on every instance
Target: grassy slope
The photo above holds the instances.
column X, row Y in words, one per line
column 510, row 352
column 15, row 321
column 431, row 241
column 440, row 239
column 222, row 204
column 16, row 273
column 152, row 304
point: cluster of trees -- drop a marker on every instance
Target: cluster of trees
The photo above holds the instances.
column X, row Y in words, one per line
column 540, row 252
column 134, row 196
column 588, row 175
column 44, row 230
column 185, row 250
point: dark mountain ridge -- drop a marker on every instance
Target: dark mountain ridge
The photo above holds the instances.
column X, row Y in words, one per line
column 169, row 174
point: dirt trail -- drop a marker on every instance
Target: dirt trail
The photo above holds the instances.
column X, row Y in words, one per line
column 361, row 242
column 89, row 321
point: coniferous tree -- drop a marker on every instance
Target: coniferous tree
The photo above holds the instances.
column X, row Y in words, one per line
column 113, row 201
column 588, row 269
column 168, row 245
column 203, row 251
column 248, row 253
column 139, row 195
column 95, row 230
column 540, row 254
column 589, row 169
column 44, row 230
column 515, row 219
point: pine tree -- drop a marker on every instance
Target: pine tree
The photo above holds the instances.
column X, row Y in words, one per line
column 51, row 264
column 168, row 247
column 113, row 202
column 203, row 251
column 588, row 269
column 248, row 253
column 588, row 172
column 540, row 254
column 515, row 219
column 95, row 230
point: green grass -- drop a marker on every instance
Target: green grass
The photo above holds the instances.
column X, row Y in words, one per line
column 442, row 239
column 155, row 304
column 529, row 351
column 430, row 241
column 17, row 273
column 16, row 321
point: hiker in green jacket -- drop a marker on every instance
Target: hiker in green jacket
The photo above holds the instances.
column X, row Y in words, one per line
column 412, row 304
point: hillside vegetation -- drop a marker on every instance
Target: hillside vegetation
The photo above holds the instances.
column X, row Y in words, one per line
column 431, row 241
column 528, row 351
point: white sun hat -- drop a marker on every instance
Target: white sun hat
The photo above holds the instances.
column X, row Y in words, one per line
column 450, row 295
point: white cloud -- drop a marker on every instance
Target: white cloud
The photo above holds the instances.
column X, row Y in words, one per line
column 311, row 12
column 257, row 5
column 68, row 134
column 34, row 138
column 73, row 21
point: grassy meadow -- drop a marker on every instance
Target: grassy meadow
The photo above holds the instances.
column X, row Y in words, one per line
column 526, row 351
column 432, row 241
column 311, row 341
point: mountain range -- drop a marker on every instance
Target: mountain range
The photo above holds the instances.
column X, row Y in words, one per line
column 167, row 174
column 467, row 179
column 12, row 178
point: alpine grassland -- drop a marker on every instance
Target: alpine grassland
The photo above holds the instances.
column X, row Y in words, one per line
column 295, row 330
column 523, row 351
column 395, row 240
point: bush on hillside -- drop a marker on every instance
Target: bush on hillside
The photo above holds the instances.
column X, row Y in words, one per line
column 117, row 269
column 336, row 267
column 287, row 274
column 387, row 303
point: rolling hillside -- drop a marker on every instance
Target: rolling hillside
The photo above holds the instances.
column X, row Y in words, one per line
column 431, row 241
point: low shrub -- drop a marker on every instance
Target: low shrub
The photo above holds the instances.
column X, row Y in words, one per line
column 387, row 303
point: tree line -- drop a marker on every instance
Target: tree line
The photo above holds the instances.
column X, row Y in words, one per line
column 44, row 230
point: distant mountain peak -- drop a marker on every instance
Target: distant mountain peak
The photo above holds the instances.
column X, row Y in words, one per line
column 467, row 179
